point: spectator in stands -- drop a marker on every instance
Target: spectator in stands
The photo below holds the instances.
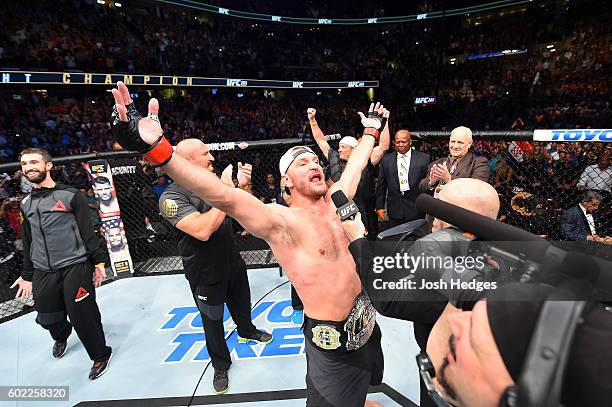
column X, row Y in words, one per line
column 8, row 259
column 12, row 215
column 502, row 175
column 598, row 176
column 12, row 184
column 160, row 186
column 460, row 163
column 269, row 192
column 4, row 193
column 565, row 175
column 581, row 222
column 589, row 156
column 552, row 151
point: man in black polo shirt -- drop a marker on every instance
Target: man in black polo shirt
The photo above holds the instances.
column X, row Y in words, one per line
column 212, row 263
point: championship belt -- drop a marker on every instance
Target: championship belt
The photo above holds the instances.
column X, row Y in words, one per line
column 326, row 337
column 360, row 322
column 350, row 334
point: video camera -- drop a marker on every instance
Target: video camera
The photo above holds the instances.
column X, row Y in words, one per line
column 526, row 257
column 581, row 278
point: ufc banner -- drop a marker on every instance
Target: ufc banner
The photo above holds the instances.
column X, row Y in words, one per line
column 110, row 215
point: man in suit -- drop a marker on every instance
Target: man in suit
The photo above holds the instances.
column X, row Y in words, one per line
column 398, row 180
column 461, row 163
column 581, row 222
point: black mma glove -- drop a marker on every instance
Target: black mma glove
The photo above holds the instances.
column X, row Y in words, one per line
column 373, row 123
column 126, row 134
column 132, row 112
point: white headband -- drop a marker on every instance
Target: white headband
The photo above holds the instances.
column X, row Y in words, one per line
column 349, row 141
column 290, row 156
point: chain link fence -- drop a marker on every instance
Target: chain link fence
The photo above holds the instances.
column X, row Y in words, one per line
column 151, row 239
column 537, row 184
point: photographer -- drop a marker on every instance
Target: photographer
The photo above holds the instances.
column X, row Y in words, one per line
column 511, row 346
column 479, row 355
column 422, row 307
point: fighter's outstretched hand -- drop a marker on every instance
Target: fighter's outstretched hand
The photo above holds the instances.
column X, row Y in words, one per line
column 25, row 288
column 139, row 134
column 131, row 132
column 244, row 174
column 129, row 103
column 374, row 118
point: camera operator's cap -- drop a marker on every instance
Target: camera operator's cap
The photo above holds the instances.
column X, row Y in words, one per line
column 290, row 156
column 349, row 141
column 513, row 311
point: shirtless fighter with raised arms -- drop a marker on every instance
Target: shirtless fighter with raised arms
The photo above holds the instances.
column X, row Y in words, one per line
column 343, row 349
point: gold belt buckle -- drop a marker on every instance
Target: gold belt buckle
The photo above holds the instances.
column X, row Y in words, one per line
column 326, row 337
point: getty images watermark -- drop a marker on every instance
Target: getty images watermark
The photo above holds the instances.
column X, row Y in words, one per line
column 465, row 270
column 437, row 272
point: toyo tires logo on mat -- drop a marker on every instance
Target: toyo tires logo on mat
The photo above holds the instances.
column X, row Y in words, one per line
column 189, row 343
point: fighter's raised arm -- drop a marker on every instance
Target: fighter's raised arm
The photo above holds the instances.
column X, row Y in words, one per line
column 385, row 141
column 145, row 136
column 317, row 133
column 373, row 124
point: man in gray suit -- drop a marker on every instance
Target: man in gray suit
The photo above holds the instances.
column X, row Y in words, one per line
column 460, row 163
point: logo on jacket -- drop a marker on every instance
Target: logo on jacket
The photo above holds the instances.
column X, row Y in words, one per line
column 59, row 207
column 81, row 294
